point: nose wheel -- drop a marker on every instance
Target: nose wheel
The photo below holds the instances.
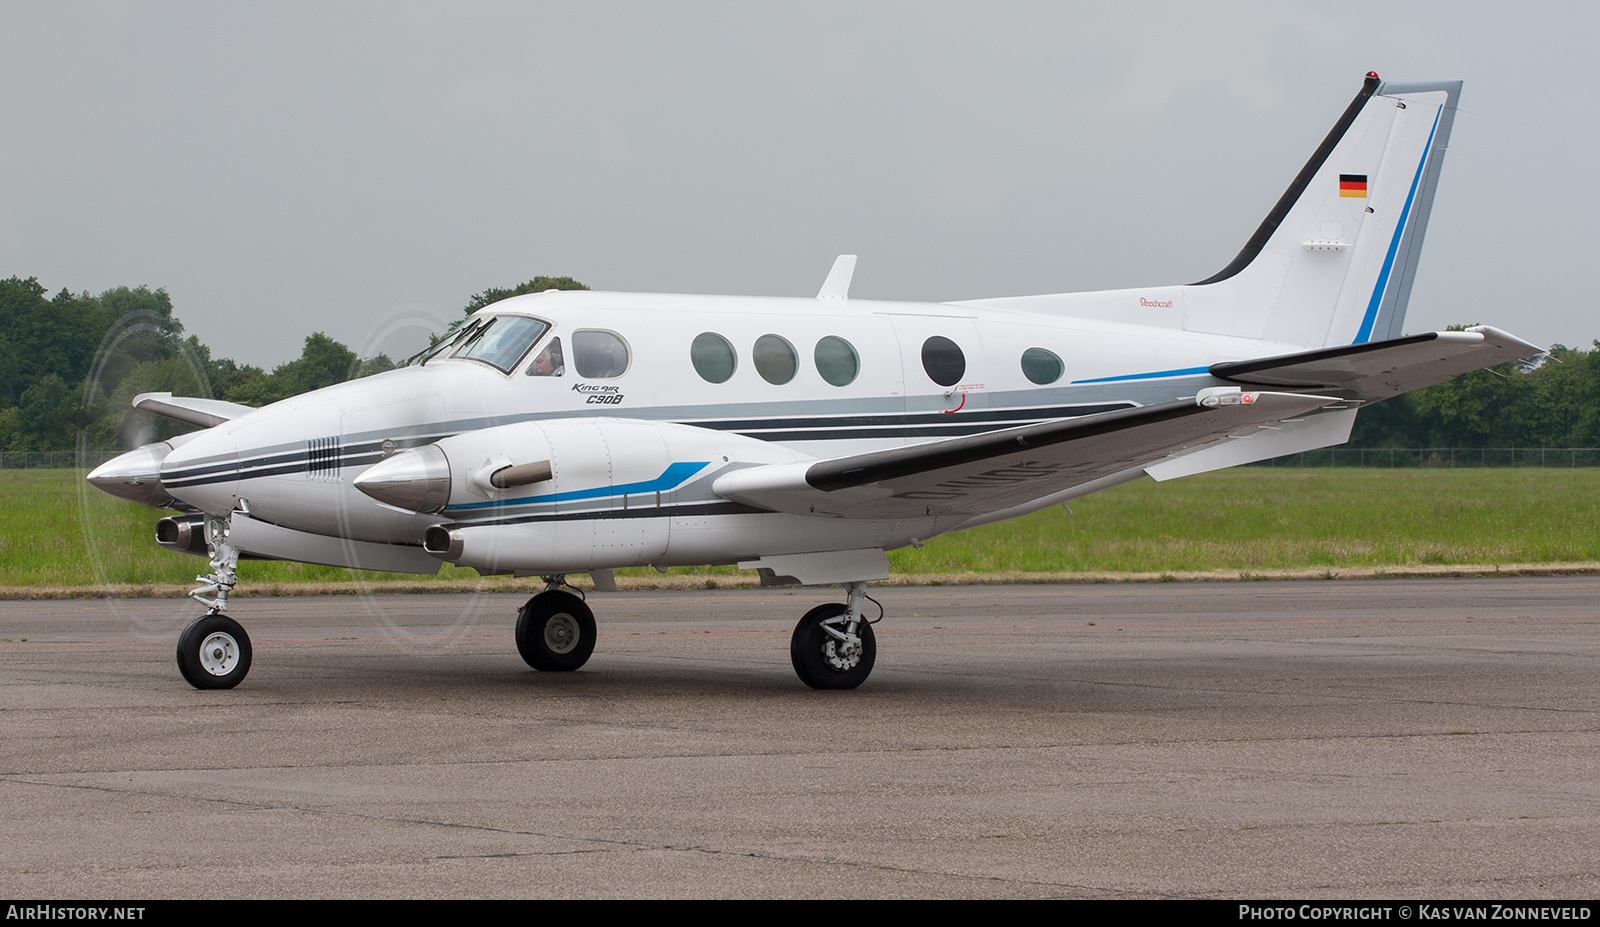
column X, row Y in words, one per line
column 214, row 653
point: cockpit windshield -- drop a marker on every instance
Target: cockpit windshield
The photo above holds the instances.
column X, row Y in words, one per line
column 447, row 342
column 500, row 341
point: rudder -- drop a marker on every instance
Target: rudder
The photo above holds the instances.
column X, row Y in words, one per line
column 1334, row 261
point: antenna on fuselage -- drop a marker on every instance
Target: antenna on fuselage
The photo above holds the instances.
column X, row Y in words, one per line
column 837, row 286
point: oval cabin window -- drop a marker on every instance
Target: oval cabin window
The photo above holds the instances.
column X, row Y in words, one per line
column 775, row 359
column 1042, row 366
column 837, row 361
column 713, row 357
column 943, row 360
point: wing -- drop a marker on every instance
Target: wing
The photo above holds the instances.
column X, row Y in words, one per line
column 204, row 412
column 1001, row 470
column 1380, row 369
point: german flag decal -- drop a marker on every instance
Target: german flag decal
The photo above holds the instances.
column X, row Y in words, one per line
column 1353, row 185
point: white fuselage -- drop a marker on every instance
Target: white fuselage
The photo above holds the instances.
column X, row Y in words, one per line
column 293, row 462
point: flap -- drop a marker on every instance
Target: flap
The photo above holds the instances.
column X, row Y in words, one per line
column 1009, row 467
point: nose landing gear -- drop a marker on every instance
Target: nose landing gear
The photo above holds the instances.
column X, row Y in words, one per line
column 214, row 650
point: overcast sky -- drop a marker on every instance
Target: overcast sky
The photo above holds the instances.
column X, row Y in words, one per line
column 357, row 168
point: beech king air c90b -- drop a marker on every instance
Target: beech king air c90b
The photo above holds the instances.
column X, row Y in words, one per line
column 571, row 432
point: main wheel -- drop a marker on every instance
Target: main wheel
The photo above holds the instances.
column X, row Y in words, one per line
column 821, row 660
column 214, row 653
column 555, row 632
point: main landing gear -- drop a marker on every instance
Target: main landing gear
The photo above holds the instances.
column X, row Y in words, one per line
column 555, row 629
column 833, row 646
column 214, row 650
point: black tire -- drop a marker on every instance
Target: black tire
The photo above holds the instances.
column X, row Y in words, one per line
column 555, row 632
column 214, row 653
column 818, row 663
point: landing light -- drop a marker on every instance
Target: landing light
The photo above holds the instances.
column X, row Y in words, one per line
column 1224, row 396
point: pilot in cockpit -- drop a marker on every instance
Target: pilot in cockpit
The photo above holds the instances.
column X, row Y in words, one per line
column 549, row 362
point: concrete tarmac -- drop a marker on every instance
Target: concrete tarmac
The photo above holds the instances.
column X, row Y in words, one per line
column 1404, row 739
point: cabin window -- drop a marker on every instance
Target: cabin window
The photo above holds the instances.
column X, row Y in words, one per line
column 775, row 359
column 599, row 355
column 502, row 341
column 713, row 357
column 943, row 360
column 1042, row 366
column 837, row 361
column 549, row 362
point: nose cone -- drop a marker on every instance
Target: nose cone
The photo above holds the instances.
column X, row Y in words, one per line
column 417, row 480
column 135, row 476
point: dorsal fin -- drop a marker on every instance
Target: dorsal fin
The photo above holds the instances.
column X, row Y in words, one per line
column 837, row 286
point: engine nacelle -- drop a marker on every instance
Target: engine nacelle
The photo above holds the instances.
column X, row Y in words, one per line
column 564, row 495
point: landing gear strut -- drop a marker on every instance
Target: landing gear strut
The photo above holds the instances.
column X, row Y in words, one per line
column 214, row 650
column 833, row 646
column 555, row 629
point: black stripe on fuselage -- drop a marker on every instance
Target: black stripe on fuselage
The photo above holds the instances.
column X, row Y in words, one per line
column 276, row 465
column 839, row 428
column 1007, row 416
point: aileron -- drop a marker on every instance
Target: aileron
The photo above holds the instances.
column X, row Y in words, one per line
column 1380, row 369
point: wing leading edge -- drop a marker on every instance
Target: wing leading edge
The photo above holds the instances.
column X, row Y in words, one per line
column 195, row 411
column 1004, row 469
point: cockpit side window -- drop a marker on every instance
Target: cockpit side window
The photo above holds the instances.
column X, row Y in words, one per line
column 549, row 362
column 599, row 355
column 502, row 341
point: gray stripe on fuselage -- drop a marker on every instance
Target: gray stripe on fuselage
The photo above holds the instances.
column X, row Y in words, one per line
column 1019, row 404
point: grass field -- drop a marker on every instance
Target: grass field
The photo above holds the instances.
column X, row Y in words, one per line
column 59, row 532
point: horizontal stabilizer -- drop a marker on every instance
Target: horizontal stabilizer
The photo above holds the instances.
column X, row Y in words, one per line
column 1009, row 467
column 1380, row 369
column 195, row 411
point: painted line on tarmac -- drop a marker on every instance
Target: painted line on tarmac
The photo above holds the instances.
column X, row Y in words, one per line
column 878, row 630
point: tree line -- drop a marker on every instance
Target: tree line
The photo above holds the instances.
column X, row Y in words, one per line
column 71, row 363
column 1551, row 402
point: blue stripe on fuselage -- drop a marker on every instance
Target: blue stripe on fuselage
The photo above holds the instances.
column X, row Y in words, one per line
column 670, row 478
column 1187, row 371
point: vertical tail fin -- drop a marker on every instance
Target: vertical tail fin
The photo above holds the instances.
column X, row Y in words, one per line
column 1334, row 261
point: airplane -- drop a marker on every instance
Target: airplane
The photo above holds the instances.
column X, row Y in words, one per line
column 573, row 431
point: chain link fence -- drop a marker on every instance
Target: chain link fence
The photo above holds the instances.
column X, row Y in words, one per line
column 54, row 460
column 1417, row 458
